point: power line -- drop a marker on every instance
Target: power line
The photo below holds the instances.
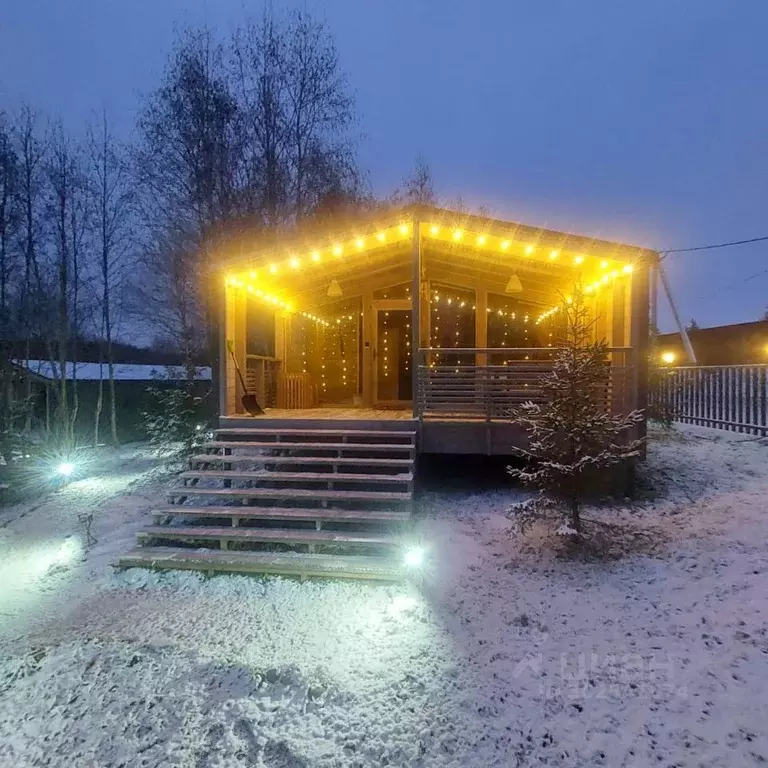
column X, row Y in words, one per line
column 710, row 247
column 721, row 291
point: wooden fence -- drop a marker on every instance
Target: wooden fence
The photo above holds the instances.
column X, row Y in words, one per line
column 731, row 397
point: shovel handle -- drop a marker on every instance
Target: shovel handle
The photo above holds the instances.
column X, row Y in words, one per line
column 237, row 367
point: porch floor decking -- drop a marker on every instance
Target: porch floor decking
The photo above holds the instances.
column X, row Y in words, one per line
column 331, row 412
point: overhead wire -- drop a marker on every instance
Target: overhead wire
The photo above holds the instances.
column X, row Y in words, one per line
column 729, row 287
column 711, row 247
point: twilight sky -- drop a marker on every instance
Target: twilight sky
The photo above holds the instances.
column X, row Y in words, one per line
column 638, row 121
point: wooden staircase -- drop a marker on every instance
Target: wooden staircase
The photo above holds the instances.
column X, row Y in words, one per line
column 283, row 497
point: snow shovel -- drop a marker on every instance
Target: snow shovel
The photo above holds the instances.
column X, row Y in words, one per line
column 249, row 401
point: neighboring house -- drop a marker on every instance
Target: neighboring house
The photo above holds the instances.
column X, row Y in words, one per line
column 123, row 372
column 131, row 382
column 738, row 344
column 429, row 314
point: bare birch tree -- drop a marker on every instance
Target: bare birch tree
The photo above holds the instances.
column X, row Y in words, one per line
column 112, row 201
column 186, row 173
column 31, row 154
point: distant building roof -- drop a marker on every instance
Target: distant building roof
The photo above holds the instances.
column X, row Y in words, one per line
column 738, row 344
column 122, row 371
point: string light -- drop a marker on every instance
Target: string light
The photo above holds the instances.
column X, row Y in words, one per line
column 401, row 231
column 386, row 344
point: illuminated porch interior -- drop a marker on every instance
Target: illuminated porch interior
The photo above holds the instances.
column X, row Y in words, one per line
column 349, row 321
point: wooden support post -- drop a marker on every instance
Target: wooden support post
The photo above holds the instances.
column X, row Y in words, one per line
column 369, row 343
column 481, row 325
column 227, row 369
column 236, row 334
column 415, row 307
column 638, row 330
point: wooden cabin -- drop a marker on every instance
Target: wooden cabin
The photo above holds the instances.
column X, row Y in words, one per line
column 415, row 333
column 432, row 315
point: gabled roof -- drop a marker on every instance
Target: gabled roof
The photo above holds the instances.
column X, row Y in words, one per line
column 456, row 248
column 297, row 244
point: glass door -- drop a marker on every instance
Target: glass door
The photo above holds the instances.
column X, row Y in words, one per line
column 393, row 360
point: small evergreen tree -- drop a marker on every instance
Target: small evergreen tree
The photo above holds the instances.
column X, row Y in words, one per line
column 176, row 419
column 573, row 439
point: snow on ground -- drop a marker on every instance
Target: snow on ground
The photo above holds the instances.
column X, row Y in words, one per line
column 505, row 654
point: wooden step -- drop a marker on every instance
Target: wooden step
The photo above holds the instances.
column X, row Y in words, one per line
column 289, row 493
column 277, row 563
column 364, row 433
column 283, row 446
column 295, row 477
column 281, row 513
column 278, row 535
column 208, row 458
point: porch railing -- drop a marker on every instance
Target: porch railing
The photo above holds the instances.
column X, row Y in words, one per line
column 730, row 397
column 262, row 376
column 475, row 383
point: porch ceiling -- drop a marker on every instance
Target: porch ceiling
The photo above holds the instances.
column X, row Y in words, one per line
column 460, row 267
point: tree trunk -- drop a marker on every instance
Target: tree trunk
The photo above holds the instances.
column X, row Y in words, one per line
column 112, row 403
column 99, row 402
column 575, row 514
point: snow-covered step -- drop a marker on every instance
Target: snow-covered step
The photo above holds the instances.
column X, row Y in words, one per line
column 244, row 494
column 315, row 447
column 297, row 477
column 208, row 458
column 236, row 514
column 266, row 535
column 282, row 563
column 349, row 435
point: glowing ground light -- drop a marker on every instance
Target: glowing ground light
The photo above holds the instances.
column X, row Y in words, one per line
column 65, row 469
column 414, row 557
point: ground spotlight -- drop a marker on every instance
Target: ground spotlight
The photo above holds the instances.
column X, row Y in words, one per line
column 65, row 469
column 414, row 557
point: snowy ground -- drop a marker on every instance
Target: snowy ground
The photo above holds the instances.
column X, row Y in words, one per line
column 505, row 655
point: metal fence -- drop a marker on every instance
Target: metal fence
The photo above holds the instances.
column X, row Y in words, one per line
column 731, row 397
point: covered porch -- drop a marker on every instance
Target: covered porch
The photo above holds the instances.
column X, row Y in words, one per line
column 429, row 315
